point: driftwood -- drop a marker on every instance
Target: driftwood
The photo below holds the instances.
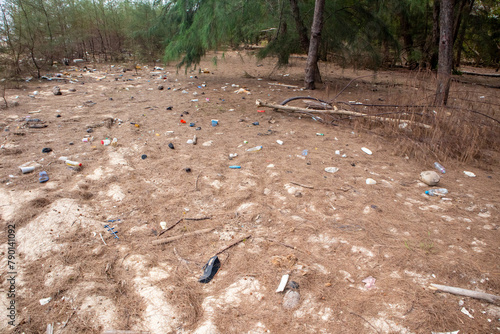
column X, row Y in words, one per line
column 177, row 237
column 467, row 293
column 261, row 103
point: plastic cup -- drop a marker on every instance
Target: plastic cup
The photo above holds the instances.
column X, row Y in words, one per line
column 215, row 122
column 25, row 170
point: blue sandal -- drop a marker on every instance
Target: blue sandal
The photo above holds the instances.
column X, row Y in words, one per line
column 44, row 177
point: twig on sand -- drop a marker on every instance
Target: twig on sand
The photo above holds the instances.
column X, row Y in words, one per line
column 233, row 244
column 375, row 328
column 288, row 246
column 71, row 315
column 467, row 293
column 196, row 184
column 171, row 227
column 202, row 218
column 301, row 185
column 177, row 237
column 102, row 239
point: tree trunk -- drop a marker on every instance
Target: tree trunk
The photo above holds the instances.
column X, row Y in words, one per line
column 301, row 28
column 461, row 33
column 445, row 53
column 312, row 56
column 432, row 47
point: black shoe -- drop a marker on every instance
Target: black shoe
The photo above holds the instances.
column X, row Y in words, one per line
column 210, row 269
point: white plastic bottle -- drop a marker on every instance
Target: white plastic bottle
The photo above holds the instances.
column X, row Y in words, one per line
column 437, row 192
column 439, row 167
column 254, row 149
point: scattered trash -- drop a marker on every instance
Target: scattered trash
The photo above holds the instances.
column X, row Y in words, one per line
column 44, row 301
column 261, row 111
column 85, row 140
column 439, row 167
column 210, row 269
column 254, row 149
column 56, row 90
column 305, row 152
column 171, row 146
column 215, row 122
column 112, row 231
column 369, row 282
column 320, row 134
column 282, row 285
column 183, row 121
column 188, row 170
column 106, row 142
column 163, row 225
column 144, row 156
column 43, row 177
column 232, row 156
column 469, row 174
column 208, row 143
column 235, row 167
column 27, row 169
column 160, row 87
column 191, row 125
column 437, row 192
column 255, row 123
column 279, row 142
column 46, row 150
column 367, row 151
column 192, row 141
column 370, row 181
column 331, row 170
column 430, row 178
column 467, row 313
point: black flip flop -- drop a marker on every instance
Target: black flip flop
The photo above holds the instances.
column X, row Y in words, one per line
column 210, row 269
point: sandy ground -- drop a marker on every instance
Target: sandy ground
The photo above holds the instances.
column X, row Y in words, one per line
column 329, row 232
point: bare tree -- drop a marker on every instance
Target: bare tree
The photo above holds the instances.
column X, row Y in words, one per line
column 445, row 61
column 312, row 56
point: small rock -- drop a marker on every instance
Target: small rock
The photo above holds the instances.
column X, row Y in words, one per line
column 298, row 194
column 331, row 169
column 160, row 87
column 56, row 90
column 430, row 178
column 71, row 90
column 291, row 299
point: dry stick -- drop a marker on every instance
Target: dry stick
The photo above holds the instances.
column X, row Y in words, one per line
column 467, row 293
column 338, row 112
column 66, row 322
column 282, row 85
column 301, row 185
column 171, row 227
column 233, row 244
column 376, row 330
column 196, row 184
column 282, row 244
column 203, row 218
column 177, row 237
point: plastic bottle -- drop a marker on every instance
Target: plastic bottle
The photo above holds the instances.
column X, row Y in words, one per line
column 105, row 142
column 73, row 163
column 439, row 167
column 254, row 149
column 114, row 142
column 437, row 192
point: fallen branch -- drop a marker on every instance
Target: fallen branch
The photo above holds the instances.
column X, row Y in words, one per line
column 338, row 112
column 492, row 75
column 467, row 293
column 233, row 244
column 177, row 237
column 282, row 85
column 202, row 218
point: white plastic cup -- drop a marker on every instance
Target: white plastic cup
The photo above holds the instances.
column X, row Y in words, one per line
column 25, row 170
